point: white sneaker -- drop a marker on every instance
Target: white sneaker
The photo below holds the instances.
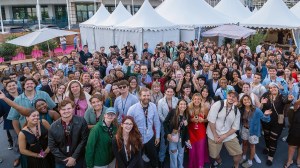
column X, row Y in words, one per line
column 145, row 158
column 257, row 159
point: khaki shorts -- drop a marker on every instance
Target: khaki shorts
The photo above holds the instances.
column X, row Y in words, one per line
column 233, row 147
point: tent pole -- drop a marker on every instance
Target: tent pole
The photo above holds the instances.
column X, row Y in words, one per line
column 49, row 52
column 2, row 28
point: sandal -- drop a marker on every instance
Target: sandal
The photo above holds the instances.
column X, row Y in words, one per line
column 288, row 165
column 16, row 162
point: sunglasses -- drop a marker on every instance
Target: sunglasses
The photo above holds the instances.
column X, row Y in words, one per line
column 122, row 87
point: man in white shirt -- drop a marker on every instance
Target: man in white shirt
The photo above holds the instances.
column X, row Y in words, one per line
column 248, row 76
column 223, row 123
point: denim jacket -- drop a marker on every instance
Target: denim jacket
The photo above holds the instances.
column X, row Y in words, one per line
column 254, row 122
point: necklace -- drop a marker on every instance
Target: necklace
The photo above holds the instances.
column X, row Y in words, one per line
column 37, row 134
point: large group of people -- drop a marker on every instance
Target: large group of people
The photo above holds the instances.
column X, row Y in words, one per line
column 118, row 108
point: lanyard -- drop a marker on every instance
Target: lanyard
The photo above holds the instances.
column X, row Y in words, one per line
column 127, row 157
column 124, row 104
column 146, row 116
column 224, row 92
column 227, row 113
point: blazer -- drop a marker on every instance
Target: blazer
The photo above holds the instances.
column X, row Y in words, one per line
column 57, row 141
column 211, row 92
column 135, row 161
column 163, row 108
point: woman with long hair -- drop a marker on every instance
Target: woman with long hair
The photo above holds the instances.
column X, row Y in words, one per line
column 76, row 94
column 236, row 81
column 112, row 95
column 59, row 95
column 176, row 131
column 251, row 117
column 156, row 94
column 85, row 77
column 186, row 93
column 127, row 144
column 198, row 154
column 206, row 100
column 99, row 152
column 134, row 88
column 33, row 142
column 39, row 68
column 96, row 112
column 275, row 101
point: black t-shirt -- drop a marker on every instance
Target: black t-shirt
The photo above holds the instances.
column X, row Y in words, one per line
column 84, row 56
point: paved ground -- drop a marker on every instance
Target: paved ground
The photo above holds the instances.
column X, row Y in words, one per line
column 280, row 156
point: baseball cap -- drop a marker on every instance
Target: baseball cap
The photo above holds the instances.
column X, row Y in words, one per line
column 110, row 110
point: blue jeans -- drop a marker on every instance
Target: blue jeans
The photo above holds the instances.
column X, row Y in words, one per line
column 176, row 154
column 162, row 146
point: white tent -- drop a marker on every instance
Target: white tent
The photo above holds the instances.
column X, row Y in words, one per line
column 86, row 28
column 146, row 26
column 234, row 9
column 254, row 10
column 296, row 9
column 191, row 14
column 105, row 29
column 276, row 15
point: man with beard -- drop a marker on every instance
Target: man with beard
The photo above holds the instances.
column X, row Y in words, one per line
column 213, row 84
column 223, row 123
column 67, row 137
column 146, row 116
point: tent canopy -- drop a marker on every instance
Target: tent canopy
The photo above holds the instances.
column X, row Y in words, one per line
column 296, row 9
column 101, row 15
column 229, row 31
column 191, row 13
column 119, row 15
column 147, row 19
column 39, row 36
column 234, row 9
column 274, row 14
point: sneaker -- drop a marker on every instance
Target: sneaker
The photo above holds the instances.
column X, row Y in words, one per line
column 247, row 164
column 257, row 159
column 10, row 147
column 216, row 165
column 145, row 158
column 243, row 160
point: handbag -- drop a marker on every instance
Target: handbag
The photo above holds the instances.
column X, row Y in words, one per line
column 280, row 116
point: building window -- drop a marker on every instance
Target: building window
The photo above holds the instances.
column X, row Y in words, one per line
column 84, row 12
column 3, row 13
column 60, row 12
column 29, row 12
column 110, row 9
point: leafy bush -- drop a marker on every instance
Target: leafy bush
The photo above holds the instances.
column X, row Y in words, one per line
column 7, row 51
column 254, row 40
column 44, row 46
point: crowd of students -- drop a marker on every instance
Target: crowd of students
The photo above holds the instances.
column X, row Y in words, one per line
column 123, row 109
